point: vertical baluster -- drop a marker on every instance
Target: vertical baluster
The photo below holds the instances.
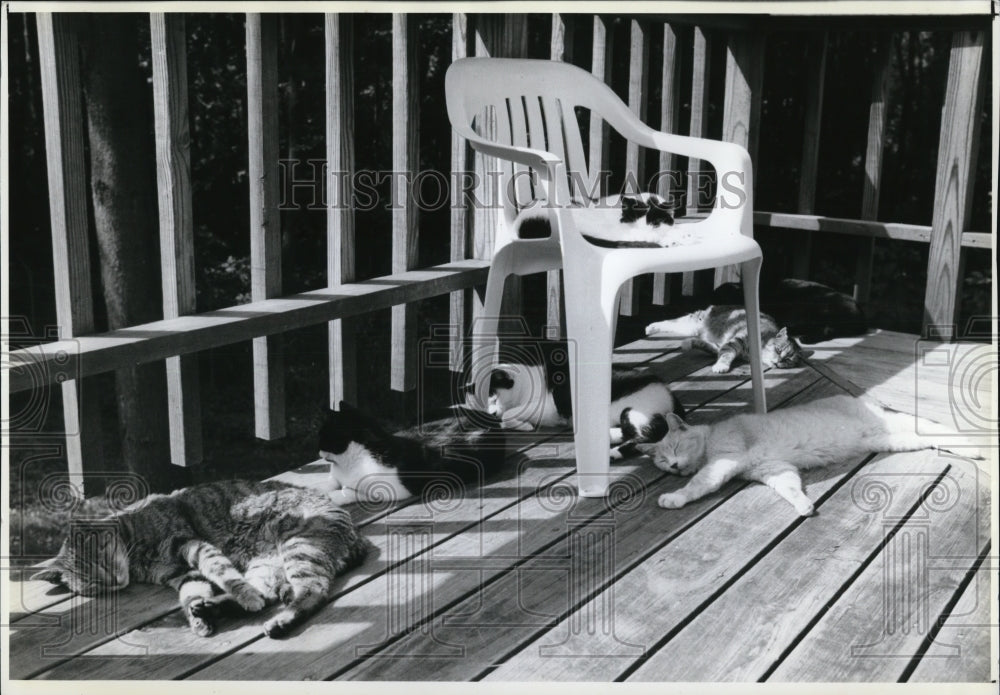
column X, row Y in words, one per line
column 173, row 178
column 701, row 73
column 635, row 170
column 340, row 265
column 405, row 160
column 600, row 144
column 670, row 104
column 877, row 117
column 265, row 230
column 59, row 65
column 816, row 72
column 459, row 210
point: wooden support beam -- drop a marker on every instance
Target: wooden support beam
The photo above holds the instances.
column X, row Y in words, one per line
column 878, row 112
column 59, row 65
column 173, row 180
column 670, row 105
column 405, row 211
column 956, row 170
column 460, row 48
column 638, row 99
column 701, row 73
column 340, row 261
column 741, row 109
column 265, row 230
column 815, row 79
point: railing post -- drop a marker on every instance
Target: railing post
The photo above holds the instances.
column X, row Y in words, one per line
column 59, row 64
column 340, row 266
column 816, row 71
column 405, row 160
column 638, row 99
column 265, row 230
column 741, row 110
column 173, row 180
column 670, row 106
column 877, row 118
column 956, row 170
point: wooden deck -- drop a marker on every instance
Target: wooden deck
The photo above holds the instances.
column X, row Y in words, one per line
column 523, row 580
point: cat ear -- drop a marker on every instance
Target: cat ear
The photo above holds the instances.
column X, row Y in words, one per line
column 783, row 333
column 675, row 423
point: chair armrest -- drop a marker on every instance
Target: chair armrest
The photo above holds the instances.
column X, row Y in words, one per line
column 548, row 166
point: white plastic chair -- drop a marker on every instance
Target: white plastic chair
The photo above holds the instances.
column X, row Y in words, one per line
column 525, row 115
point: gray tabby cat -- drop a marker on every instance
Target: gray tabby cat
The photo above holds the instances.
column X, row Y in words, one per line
column 772, row 448
column 258, row 542
column 722, row 331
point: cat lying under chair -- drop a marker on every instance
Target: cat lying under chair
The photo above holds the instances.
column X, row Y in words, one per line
column 255, row 542
column 773, row 448
column 529, row 396
column 722, row 331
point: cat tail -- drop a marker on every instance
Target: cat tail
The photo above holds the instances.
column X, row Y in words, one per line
column 906, row 432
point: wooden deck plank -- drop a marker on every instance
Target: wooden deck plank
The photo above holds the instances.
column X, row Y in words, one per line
column 961, row 651
column 521, row 603
column 661, row 586
column 165, row 647
column 776, row 599
column 880, row 622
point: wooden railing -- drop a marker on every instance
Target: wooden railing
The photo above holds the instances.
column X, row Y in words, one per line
column 182, row 333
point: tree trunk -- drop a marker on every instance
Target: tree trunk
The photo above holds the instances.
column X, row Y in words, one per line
column 123, row 189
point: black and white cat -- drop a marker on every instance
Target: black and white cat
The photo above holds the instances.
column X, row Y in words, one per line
column 369, row 464
column 642, row 220
column 527, row 396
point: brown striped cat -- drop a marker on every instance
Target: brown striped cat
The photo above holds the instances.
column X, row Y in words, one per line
column 256, row 542
column 722, row 331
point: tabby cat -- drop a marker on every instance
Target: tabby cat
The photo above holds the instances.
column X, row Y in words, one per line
column 257, row 542
column 810, row 311
column 526, row 396
column 369, row 464
column 722, row 331
column 772, row 448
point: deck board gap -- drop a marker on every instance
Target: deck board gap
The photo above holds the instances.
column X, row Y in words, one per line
column 939, row 622
column 858, row 571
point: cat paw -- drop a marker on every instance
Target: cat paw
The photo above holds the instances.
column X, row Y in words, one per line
column 285, row 593
column 805, row 508
column 671, row 500
column 201, row 627
column 248, row 597
column 720, row 368
column 652, row 329
column 280, row 625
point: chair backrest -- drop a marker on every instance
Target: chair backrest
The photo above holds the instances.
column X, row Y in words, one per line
column 530, row 103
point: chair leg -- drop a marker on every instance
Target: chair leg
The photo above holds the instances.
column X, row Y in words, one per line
column 750, row 272
column 485, row 339
column 589, row 320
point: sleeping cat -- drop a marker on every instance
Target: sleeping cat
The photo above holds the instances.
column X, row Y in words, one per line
column 772, row 448
column 257, row 542
column 529, row 396
column 810, row 311
column 368, row 463
column 722, row 330
column 630, row 221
